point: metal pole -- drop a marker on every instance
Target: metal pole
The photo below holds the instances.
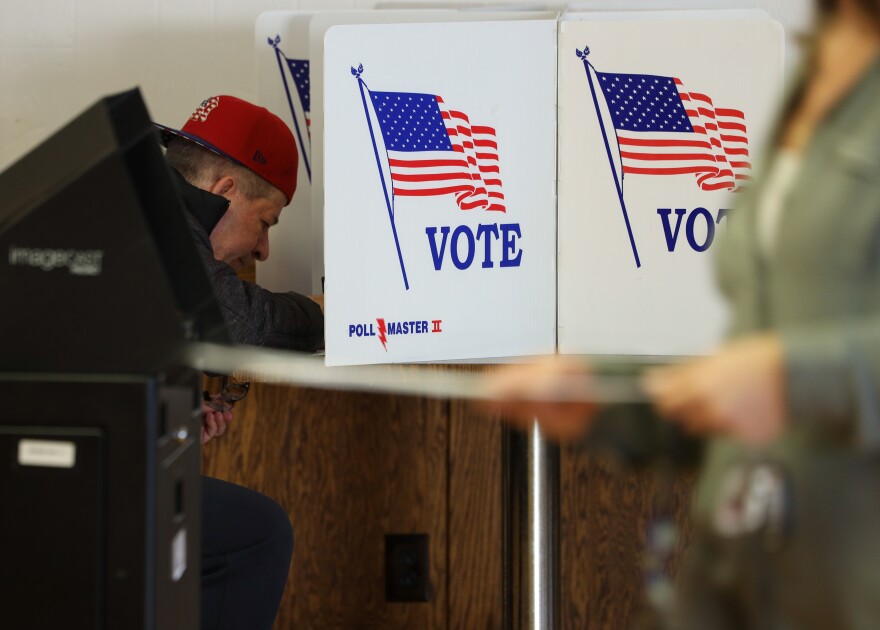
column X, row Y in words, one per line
column 531, row 531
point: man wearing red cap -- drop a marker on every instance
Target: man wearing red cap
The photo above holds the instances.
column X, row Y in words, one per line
column 236, row 166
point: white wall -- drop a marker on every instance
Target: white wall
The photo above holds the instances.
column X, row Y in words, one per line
column 57, row 57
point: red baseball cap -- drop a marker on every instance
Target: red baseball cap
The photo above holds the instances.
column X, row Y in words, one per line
column 246, row 134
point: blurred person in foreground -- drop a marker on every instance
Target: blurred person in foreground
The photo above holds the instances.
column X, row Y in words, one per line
column 787, row 507
column 235, row 166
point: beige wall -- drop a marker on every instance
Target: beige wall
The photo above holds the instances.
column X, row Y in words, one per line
column 59, row 56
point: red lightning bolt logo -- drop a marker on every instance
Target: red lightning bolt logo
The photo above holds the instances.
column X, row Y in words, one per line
column 381, row 322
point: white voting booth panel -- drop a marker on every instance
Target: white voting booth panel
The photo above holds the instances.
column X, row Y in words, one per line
column 282, row 53
column 422, row 265
column 284, row 87
column 318, row 27
column 634, row 266
column 661, row 118
column 284, row 84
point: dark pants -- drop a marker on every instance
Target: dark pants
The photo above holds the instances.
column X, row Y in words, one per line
column 247, row 543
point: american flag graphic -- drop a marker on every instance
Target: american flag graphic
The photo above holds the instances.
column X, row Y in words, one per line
column 299, row 70
column 433, row 150
column 204, row 110
column 664, row 130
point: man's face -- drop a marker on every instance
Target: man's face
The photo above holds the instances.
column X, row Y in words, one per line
column 242, row 234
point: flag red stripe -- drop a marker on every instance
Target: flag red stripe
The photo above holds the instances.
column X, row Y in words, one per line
column 429, row 192
column 425, row 163
column 401, row 177
column 643, row 142
column 680, row 170
column 718, row 186
column 733, row 113
column 667, row 156
column 470, row 205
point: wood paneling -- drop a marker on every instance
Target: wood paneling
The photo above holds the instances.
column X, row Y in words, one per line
column 475, row 523
column 605, row 513
column 350, row 468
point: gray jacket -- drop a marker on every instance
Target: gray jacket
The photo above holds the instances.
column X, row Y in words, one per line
column 255, row 316
column 788, row 537
column 815, row 560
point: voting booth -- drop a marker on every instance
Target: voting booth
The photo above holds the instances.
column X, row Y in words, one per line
column 561, row 191
column 99, row 427
column 284, row 84
column 439, row 222
column 662, row 117
column 492, row 188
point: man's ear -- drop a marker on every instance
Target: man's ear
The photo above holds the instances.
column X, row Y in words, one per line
column 222, row 186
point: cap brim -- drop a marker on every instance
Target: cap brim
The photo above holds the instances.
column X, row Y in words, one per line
column 166, row 134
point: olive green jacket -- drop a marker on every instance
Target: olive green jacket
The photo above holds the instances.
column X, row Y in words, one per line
column 817, row 563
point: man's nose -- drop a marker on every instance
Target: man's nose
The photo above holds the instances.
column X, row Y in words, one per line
column 261, row 252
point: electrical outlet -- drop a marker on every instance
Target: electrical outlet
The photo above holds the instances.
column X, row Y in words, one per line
column 406, row 568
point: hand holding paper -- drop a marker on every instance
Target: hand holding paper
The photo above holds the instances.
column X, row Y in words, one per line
column 555, row 390
column 736, row 392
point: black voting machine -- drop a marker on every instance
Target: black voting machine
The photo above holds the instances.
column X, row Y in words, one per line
column 99, row 429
